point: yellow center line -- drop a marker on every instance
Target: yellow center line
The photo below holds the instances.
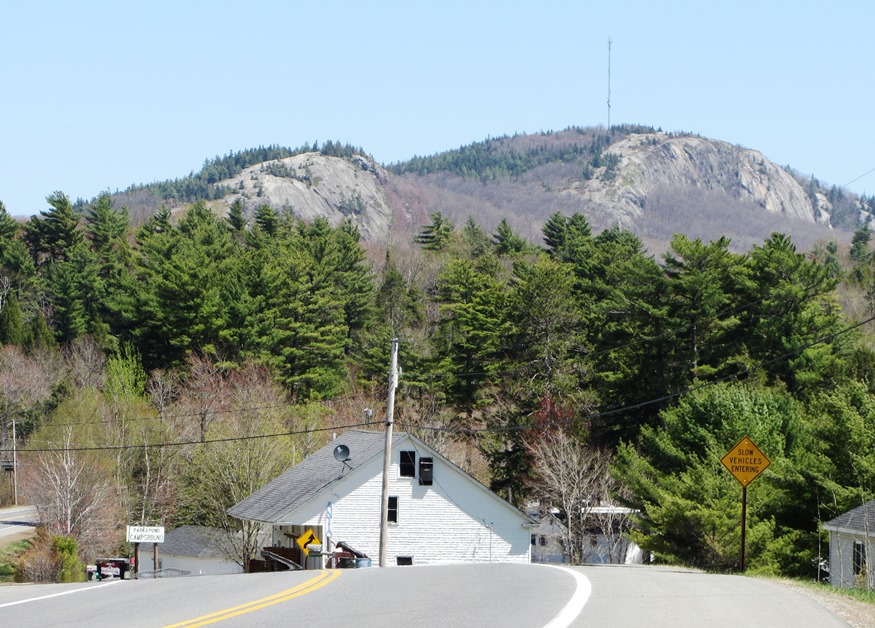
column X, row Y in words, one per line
column 309, row 586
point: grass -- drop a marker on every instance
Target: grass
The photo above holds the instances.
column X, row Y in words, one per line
column 867, row 596
column 9, row 556
column 863, row 595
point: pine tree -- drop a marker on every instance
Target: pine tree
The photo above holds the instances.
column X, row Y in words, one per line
column 57, row 233
column 435, row 236
column 236, row 220
column 506, row 241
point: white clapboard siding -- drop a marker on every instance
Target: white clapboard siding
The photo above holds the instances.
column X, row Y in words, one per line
column 454, row 520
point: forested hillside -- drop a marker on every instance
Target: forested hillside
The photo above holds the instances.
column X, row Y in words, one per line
column 175, row 367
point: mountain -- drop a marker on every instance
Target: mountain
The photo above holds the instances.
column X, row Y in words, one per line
column 650, row 182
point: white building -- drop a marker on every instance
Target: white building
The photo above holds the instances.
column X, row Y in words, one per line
column 438, row 514
column 189, row 550
column 851, row 537
column 605, row 542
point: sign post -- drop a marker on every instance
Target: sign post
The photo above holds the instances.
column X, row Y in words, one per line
column 145, row 534
column 745, row 462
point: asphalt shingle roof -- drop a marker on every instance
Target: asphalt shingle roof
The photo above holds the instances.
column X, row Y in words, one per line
column 199, row 541
column 860, row 520
column 308, row 478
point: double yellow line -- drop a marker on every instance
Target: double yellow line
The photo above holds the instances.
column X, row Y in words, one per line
column 309, row 586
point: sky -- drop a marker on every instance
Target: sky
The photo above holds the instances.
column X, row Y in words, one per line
column 98, row 95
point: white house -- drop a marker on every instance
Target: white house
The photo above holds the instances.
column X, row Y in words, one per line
column 438, row 514
column 606, row 540
column 851, row 537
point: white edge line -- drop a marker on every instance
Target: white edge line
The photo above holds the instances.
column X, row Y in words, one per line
column 45, row 597
column 575, row 605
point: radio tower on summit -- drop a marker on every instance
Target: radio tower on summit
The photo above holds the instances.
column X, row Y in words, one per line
column 609, row 84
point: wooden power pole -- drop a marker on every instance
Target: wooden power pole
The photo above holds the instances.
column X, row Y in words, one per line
column 387, row 452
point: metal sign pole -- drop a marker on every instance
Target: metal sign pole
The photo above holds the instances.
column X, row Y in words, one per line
column 743, row 522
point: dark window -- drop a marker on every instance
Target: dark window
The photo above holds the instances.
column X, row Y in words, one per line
column 534, row 539
column 404, row 561
column 408, row 464
column 393, row 510
column 426, row 471
column 859, row 558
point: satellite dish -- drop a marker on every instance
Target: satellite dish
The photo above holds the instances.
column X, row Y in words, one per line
column 341, row 453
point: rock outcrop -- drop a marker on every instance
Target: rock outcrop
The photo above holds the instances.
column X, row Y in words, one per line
column 649, row 162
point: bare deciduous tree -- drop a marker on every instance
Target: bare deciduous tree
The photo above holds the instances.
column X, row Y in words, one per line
column 25, row 383
column 73, row 493
column 85, row 359
column 243, row 460
column 574, row 478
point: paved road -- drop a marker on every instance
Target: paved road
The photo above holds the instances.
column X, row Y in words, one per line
column 509, row 596
column 15, row 520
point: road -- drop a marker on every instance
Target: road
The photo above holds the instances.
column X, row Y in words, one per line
column 509, row 596
column 16, row 521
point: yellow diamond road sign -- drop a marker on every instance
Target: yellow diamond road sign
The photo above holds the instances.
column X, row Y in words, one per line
column 745, row 461
column 305, row 539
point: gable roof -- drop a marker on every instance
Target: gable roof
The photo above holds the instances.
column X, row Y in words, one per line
column 309, row 477
column 860, row 520
column 318, row 471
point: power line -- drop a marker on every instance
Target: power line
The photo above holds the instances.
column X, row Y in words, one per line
column 635, row 406
column 194, row 442
column 591, row 416
column 858, row 178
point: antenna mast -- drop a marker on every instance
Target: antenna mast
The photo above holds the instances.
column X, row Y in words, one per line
column 609, row 84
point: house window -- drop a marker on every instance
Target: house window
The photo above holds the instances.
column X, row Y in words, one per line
column 393, row 510
column 408, row 464
column 534, row 539
column 859, row 558
column 404, row 561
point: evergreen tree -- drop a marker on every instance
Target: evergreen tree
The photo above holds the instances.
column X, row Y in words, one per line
column 472, row 326
column 690, row 506
column 52, row 237
column 476, row 239
column 266, row 220
column 236, row 220
column 702, row 282
column 435, row 236
column 506, row 241
column 791, row 305
column 860, row 244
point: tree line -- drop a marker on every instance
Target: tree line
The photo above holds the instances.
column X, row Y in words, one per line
column 170, row 353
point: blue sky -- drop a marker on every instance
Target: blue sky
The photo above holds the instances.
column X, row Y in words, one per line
column 99, row 95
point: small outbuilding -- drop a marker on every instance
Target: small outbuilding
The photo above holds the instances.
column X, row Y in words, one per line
column 850, row 547
column 189, row 550
column 438, row 514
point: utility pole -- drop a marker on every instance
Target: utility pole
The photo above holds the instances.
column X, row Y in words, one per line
column 387, row 452
column 14, row 466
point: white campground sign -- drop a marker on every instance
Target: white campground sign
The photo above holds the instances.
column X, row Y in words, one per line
column 145, row 534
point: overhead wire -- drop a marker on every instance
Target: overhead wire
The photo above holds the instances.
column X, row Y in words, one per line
column 667, row 397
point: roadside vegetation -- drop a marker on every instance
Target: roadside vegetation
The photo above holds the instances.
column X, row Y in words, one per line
column 10, row 554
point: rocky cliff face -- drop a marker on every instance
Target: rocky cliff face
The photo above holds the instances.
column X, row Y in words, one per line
column 657, row 161
column 311, row 185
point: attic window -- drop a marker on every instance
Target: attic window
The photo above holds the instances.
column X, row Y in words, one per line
column 408, row 464
column 426, row 471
